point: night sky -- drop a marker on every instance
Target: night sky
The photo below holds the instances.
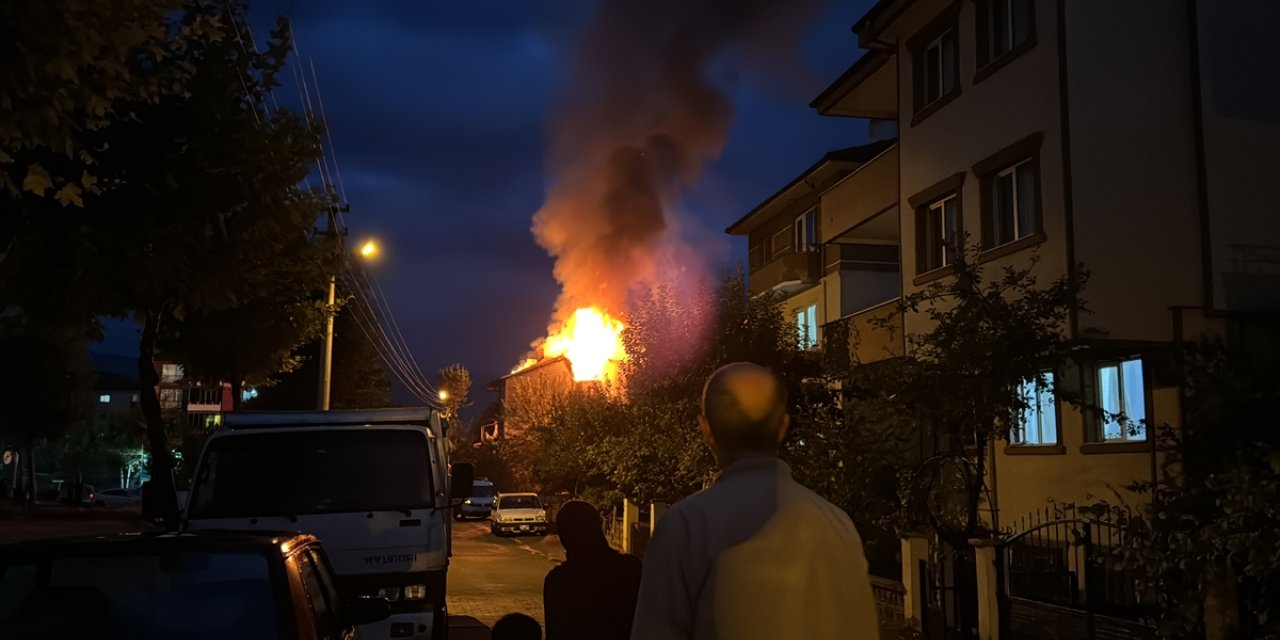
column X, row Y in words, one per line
column 438, row 112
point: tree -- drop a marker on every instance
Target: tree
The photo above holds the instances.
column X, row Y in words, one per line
column 455, row 386
column 72, row 67
column 640, row 440
column 203, row 213
column 957, row 386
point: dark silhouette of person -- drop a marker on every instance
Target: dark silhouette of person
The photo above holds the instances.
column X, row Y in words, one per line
column 516, row 626
column 592, row 595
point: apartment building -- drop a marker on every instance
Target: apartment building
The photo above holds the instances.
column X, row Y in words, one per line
column 1134, row 141
column 790, row 255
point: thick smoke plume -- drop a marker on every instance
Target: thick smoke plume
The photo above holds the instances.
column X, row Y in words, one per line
column 640, row 118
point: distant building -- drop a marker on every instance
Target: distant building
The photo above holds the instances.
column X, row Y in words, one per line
column 526, row 395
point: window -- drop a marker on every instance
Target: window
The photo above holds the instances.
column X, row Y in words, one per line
column 170, row 373
column 807, row 325
column 940, row 233
column 806, row 232
column 939, row 67
column 1122, row 400
column 1037, row 422
column 935, row 63
column 320, row 593
column 1014, row 203
column 104, row 398
column 1010, row 193
column 1004, row 27
column 171, row 398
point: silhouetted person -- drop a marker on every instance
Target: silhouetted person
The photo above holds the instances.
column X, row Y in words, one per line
column 592, row 594
column 516, row 626
column 756, row 555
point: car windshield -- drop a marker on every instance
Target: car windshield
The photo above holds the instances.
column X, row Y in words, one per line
column 519, row 502
column 289, row 474
column 174, row 595
column 482, row 491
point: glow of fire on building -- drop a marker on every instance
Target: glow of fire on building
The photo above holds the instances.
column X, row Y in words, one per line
column 591, row 340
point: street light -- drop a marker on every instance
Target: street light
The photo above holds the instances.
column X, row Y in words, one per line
column 369, row 250
column 444, row 395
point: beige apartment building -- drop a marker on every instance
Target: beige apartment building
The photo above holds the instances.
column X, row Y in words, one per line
column 1140, row 139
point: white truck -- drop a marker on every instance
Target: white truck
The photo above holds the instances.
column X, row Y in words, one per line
column 374, row 485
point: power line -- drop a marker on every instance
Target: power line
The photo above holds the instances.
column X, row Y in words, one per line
column 376, row 289
column 401, row 350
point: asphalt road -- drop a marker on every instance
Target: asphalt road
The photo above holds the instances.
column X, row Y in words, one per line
column 491, row 576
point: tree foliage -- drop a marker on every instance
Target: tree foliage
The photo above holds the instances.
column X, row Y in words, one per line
column 200, row 211
column 454, row 384
column 71, row 68
column 640, row 440
column 1209, row 538
column 972, row 342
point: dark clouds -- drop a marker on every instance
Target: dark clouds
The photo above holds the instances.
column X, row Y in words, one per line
column 438, row 112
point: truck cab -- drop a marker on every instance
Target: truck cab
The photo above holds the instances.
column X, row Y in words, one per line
column 373, row 485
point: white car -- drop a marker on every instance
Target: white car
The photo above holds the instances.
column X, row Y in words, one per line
column 518, row 513
column 117, row 498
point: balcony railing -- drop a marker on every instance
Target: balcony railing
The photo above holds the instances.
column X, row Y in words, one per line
column 789, row 271
column 864, row 337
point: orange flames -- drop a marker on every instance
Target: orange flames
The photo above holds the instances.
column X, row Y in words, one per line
column 591, row 339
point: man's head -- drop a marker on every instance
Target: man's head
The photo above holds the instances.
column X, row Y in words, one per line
column 744, row 411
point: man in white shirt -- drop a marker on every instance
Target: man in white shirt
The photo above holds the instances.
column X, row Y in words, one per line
column 756, row 555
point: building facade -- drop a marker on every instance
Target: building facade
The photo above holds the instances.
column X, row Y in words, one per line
column 1133, row 142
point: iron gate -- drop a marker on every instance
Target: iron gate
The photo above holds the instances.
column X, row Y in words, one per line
column 1055, row 584
column 950, row 594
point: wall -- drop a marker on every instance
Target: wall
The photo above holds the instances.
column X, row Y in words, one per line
column 1239, row 61
column 1013, row 102
column 872, row 188
column 1133, row 164
column 1024, row 483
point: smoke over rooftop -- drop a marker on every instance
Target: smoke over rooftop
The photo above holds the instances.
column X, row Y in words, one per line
column 642, row 115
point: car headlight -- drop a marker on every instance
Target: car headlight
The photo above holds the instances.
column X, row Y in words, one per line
column 467, row 501
column 542, row 517
column 392, row 594
column 415, row 592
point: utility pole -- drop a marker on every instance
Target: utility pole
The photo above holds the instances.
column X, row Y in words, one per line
column 326, row 363
column 326, row 371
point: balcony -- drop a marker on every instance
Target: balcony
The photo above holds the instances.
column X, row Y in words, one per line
column 870, row 335
column 788, row 273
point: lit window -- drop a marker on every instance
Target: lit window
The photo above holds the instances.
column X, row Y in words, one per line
column 1037, row 422
column 1122, row 399
column 940, row 233
column 807, row 325
column 170, row 372
column 171, row 398
column 104, row 398
column 806, row 232
column 1013, row 203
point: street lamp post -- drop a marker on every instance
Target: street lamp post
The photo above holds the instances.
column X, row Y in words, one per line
column 369, row 250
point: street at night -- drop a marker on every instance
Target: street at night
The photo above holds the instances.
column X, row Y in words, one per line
column 639, row 320
column 492, row 576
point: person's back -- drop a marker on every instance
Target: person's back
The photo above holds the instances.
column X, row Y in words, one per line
column 592, row 595
column 756, row 555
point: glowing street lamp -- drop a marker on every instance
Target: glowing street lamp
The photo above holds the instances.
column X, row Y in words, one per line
column 444, row 395
column 369, row 250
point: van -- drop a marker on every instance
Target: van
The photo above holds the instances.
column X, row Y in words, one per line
column 479, row 503
column 373, row 485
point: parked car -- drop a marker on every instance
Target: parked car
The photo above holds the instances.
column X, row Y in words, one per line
column 258, row 586
column 480, row 503
column 117, row 498
column 518, row 513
